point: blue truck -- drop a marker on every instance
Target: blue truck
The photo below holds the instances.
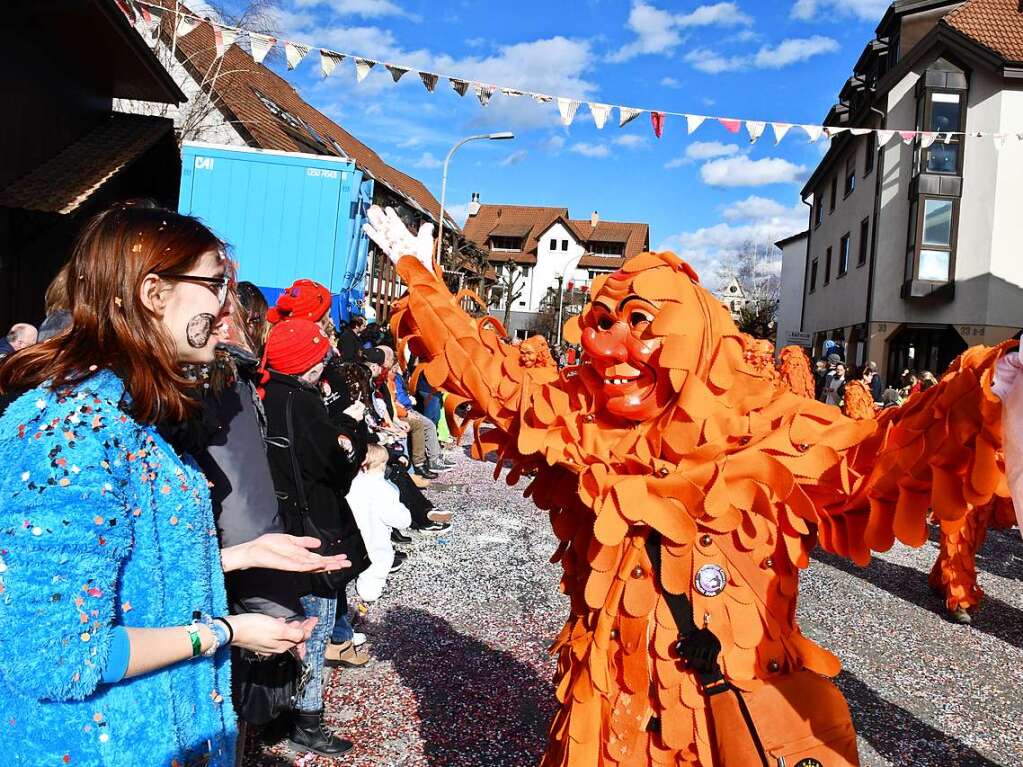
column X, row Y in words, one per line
column 284, row 216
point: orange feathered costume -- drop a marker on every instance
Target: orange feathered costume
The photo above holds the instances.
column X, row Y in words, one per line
column 672, row 423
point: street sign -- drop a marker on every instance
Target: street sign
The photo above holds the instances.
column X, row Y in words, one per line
column 795, row 338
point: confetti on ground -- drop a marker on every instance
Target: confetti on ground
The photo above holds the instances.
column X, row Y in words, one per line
column 460, row 675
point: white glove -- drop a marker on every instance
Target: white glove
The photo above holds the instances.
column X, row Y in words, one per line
column 386, row 229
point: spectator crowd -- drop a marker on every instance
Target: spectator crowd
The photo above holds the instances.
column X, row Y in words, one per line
column 204, row 498
column 831, row 375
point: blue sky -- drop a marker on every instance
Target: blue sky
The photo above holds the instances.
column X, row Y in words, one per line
column 702, row 195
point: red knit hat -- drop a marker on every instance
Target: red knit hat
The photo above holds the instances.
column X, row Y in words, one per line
column 305, row 299
column 293, row 347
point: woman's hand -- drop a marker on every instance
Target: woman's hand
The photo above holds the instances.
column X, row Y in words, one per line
column 267, row 635
column 279, row 551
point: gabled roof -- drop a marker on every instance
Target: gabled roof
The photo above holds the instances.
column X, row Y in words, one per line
column 236, row 85
column 995, row 24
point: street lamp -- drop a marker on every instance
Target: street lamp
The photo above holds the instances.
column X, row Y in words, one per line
column 561, row 302
column 502, row 136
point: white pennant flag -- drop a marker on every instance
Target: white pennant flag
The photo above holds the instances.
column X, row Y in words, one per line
column 600, row 113
column 295, row 52
column 362, row 67
column 329, row 61
column 755, row 128
column 832, row 132
column 460, row 86
column 260, row 45
column 396, row 71
column 484, row 92
column 626, row 115
column 780, row 129
column 185, row 25
column 429, row 80
column 884, row 136
column 999, row 140
column 542, row 98
column 948, row 138
column 860, row 131
column 813, row 131
column 223, row 39
column 567, row 108
column 512, row 92
column 926, row 139
column 693, row 122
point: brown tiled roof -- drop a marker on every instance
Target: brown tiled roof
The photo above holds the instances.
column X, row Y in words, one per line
column 506, row 220
column 995, row 24
column 240, row 75
column 70, row 177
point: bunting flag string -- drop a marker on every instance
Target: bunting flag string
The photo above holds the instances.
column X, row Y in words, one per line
column 150, row 14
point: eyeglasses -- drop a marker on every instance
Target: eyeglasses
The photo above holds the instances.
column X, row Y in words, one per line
column 218, row 286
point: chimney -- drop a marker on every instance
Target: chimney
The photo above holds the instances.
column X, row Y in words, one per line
column 474, row 204
column 594, row 219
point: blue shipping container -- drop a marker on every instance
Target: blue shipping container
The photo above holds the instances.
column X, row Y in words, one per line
column 284, row 215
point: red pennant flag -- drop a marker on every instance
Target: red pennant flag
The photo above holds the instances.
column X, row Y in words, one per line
column 732, row 126
column 657, row 120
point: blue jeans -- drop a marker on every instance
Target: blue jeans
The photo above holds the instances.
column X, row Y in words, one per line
column 343, row 631
column 311, row 697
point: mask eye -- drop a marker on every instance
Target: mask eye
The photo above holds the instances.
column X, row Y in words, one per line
column 638, row 319
column 605, row 323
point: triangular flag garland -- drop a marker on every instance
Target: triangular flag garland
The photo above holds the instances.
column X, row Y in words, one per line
column 599, row 113
column 362, row 67
column 295, row 52
column 396, row 71
column 567, row 108
column 484, row 92
column 657, row 121
column 260, row 45
column 329, row 60
column 429, row 80
column 626, row 115
column 755, row 129
column 143, row 12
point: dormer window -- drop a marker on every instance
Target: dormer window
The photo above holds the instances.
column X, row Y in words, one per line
column 607, row 248
column 506, row 243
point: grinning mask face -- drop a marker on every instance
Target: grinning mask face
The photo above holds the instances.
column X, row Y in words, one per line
column 643, row 332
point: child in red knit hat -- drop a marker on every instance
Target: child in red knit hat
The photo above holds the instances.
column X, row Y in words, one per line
column 304, row 300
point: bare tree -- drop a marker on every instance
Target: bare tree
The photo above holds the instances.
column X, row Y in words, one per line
column 511, row 283
column 750, row 266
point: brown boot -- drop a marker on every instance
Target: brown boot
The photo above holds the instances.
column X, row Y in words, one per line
column 421, row 482
column 345, row 654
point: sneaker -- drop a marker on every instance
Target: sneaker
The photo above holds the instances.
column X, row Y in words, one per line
column 358, row 640
column 435, row 528
column 397, row 536
column 398, row 564
column 425, row 472
column 435, row 515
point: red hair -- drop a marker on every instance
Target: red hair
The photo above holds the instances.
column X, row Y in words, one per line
column 111, row 327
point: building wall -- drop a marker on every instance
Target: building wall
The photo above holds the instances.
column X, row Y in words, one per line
column 201, row 120
column 551, row 263
column 793, row 269
column 1005, row 306
column 843, row 301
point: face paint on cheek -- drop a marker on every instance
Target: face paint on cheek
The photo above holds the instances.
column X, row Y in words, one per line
column 199, row 330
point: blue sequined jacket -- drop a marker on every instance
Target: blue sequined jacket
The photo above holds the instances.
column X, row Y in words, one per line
column 101, row 523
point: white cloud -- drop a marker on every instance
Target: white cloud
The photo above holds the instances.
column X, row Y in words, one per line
column 793, row 51
column 369, row 9
column 670, row 82
column 703, row 150
column 458, row 212
column 786, row 53
column 658, row 31
column 868, row 10
column 752, row 208
column 427, row 161
column 555, row 143
column 743, row 171
column 755, row 220
column 514, row 158
column 590, row 150
column 631, row 141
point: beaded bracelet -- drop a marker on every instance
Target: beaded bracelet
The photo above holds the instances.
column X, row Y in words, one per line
column 220, row 637
column 229, row 627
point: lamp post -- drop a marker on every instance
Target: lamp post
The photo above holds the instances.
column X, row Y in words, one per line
column 502, row 136
column 561, row 302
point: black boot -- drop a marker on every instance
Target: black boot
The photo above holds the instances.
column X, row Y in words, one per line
column 424, row 472
column 397, row 536
column 309, row 734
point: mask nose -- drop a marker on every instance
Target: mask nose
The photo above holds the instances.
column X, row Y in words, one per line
column 606, row 345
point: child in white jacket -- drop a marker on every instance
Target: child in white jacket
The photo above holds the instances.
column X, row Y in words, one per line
column 377, row 508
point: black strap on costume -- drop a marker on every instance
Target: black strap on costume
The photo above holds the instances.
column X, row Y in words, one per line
column 706, row 666
column 295, row 469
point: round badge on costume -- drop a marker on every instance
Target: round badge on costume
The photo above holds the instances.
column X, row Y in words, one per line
column 710, row 580
column 808, row 762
